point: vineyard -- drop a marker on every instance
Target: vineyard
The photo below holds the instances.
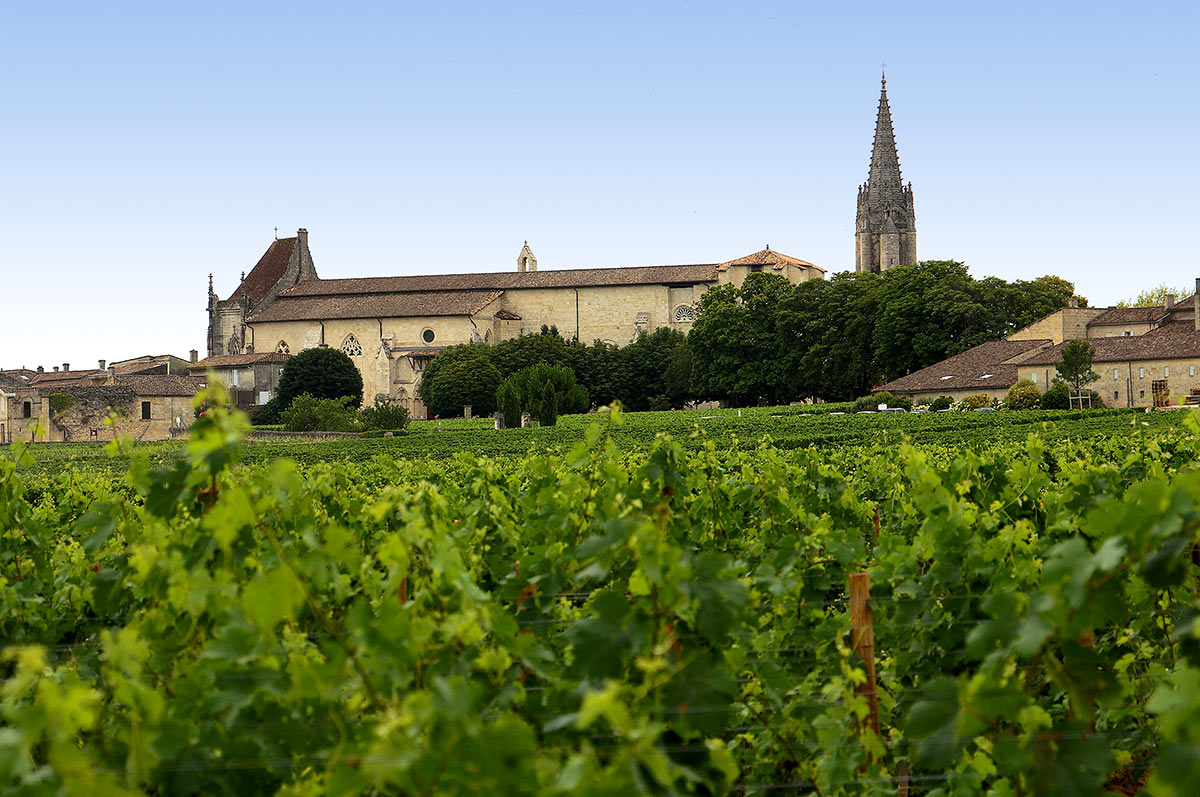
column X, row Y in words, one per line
column 776, row 603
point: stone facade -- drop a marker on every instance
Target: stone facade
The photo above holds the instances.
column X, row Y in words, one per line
column 391, row 327
column 251, row 379
column 886, row 226
column 1069, row 323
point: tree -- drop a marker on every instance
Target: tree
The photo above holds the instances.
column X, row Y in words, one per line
column 647, row 361
column 321, row 373
column 1056, row 397
column 1155, row 297
column 544, row 391
column 460, row 376
column 1024, row 395
column 1075, row 367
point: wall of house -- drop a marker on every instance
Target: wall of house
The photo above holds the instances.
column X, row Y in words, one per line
column 84, row 420
column 1130, row 386
column 1067, row 323
column 1118, row 330
column 736, row 275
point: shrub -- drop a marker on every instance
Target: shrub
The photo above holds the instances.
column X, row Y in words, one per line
column 321, row 373
column 266, row 414
column 1056, row 397
column 976, row 402
column 385, row 416
column 544, row 391
column 873, row 401
column 941, row 403
column 1024, row 395
column 310, row 414
column 464, row 375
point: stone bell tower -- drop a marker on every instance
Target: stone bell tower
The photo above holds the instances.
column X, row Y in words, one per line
column 886, row 229
column 525, row 260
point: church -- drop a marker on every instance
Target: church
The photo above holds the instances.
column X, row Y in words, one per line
column 391, row 327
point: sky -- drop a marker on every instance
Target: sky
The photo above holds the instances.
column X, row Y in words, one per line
column 144, row 146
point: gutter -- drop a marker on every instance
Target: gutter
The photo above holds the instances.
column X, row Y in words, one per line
column 576, row 314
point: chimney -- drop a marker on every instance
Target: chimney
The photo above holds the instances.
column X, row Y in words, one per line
column 56, row 369
column 41, row 370
column 194, row 356
column 66, row 367
column 302, row 238
column 102, row 365
column 1170, row 300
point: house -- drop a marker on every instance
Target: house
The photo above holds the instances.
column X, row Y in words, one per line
column 252, row 379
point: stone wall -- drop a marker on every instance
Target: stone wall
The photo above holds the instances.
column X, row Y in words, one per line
column 1068, row 323
column 1128, row 384
column 84, row 419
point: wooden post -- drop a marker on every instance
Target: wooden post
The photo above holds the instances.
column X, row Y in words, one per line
column 862, row 637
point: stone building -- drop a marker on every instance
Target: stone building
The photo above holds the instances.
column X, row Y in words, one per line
column 252, row 379
column 886, row 227
column 1144, row 356
column 391, row 327
column 286, row 262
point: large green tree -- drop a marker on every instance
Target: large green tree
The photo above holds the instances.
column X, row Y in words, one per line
column 1155, row 297
column 458, row 377
column 322, row 373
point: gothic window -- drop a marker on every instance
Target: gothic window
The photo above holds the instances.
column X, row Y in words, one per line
column 235, row 344
column 351, row 347
column 685, row 313
column 282, row 347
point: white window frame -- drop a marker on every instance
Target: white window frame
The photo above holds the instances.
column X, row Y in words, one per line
column 1141, row 373
column 1116, row 373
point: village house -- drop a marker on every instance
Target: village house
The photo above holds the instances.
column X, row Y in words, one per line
column 252, row 379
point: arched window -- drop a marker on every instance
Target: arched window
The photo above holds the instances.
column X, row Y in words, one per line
column 685, row 313
column 351, row 347
column 282, row 347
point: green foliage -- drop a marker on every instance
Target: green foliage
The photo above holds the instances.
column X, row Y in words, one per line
column 458, row 377
column 1075, row 367
column 384, row 415
column 1056, row 397
column 600, row 621
column 323, row 373
column 544, row 391
column 1024, row 395
column 977, row 401
column 941, row 403
column 267, row 414
column 60, row 403
column 1156, row 296
column 873, row 401
column 310, row 414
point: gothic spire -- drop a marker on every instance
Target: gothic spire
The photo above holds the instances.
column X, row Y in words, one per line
column 884, row 183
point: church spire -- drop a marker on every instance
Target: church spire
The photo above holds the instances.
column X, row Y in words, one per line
column 884, row 183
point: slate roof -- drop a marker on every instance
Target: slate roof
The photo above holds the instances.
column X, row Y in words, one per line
column 161, row 384
column 1128, row 315
column 374, row 305
column 768, row 257
column 234, row 360
column 268, row 269
column 1171, row 341
column 985, row 366
column 505, row 280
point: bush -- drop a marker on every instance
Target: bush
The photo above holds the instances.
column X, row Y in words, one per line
column 310, row 414
column 873, row 401
column 1056, row 397
column 1024, row 395
column 544, row 391
column 385, row 416
column 321, row 373
column 941, row 403
column 976, row 402
column 266, row 414
column 463, row 376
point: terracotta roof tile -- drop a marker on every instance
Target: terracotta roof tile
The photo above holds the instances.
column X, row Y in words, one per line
column 1175, row 340
column 505, row 280
column 303, row 307
column 506, row 315
column 988, row 365
column 268, row 270
column 161, row 385
column 67, row 377
column 1128, row 315
column 769, row 257
column 232, row 360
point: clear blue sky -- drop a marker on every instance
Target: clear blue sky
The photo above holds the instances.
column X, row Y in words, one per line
column 143, row 146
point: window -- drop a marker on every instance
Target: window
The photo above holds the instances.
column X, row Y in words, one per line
column 427, row 335
column 1141, row 394
column 27, row 409
column 685, row 313
column 1191, row 370
column 1166, row 370
column 1141, row 373
column 1116, row 374
column 1114, row 395
column 351, row 347
column 756, row 268
column 1108, row 334
column 233, row 378
column 264, row 396
column 145, row 410
column 1033, row 377
column 1127, row 333
column 282, row 347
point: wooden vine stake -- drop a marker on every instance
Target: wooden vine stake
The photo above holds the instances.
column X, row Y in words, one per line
column 862, row 637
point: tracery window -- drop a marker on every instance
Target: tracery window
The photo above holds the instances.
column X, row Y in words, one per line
column 351, row 347
column 282, row 347
column 685, row 313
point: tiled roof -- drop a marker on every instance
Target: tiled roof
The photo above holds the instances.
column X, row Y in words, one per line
column 506, row 315
column 988, row 365
column 301, row 307
column 23, row 374
column 1186, row 303
column 1128, row 315
column 233, row 360
column 768, row 257
column 506, row 280
column 67, row 377
column 268, row 270
column 1175, row 340
column 10, row 383
column 161, row 385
